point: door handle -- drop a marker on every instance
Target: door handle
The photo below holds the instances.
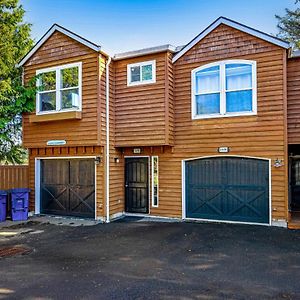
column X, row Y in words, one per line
column 126, row 185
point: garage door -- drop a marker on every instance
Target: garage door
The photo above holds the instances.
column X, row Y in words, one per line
column 227, row 188
column 68, row 187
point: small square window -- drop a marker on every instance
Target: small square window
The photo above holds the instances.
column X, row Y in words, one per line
column 141, row 73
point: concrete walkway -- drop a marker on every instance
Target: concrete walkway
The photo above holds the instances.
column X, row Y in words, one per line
column 54, row 220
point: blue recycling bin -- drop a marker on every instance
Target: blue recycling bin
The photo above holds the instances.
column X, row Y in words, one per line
column 19, row 204
column 3, row 205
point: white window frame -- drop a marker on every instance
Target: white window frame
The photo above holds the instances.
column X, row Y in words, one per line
column 223, row 90
column 152, row 181
column 141, row 64
column 58, row 89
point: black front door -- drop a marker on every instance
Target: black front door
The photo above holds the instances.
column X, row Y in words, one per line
column 136, row 185
column 68, row 187
column 295, row 185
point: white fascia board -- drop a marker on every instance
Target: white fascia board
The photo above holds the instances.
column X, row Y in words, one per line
column 145, row 51
column 233, row 24
column 68, row 33
column 295, row 53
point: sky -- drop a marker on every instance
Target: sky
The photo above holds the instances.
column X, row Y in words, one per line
column 124, row 25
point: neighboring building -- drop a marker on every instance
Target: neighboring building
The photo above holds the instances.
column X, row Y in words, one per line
column 195, row 132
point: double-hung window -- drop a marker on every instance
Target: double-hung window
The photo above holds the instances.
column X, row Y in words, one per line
column 141, row 73
column 59, row 89
column 222, row 89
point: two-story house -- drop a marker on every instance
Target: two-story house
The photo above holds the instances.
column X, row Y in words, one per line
column 198, row 132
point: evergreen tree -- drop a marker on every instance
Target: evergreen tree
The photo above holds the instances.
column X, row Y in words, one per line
column 15, row 42
column 289, row 26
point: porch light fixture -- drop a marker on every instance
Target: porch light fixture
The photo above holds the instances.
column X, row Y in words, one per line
column 277, row 163
column 97, row 160
column 117, row 160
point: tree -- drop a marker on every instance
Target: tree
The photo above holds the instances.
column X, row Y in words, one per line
column 15, row 99
column 289, row 26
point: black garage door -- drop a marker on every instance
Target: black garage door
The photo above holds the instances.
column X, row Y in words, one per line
column 228, row 188
column 68, row 187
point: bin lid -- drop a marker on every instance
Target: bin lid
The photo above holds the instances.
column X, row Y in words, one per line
column 22, row 190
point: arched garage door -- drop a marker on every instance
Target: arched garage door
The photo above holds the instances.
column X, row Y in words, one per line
column 227, row 188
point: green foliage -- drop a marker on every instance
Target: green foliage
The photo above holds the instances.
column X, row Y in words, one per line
column 69, row 77
column 289, row 26
column 47, row 81
column 15, row 99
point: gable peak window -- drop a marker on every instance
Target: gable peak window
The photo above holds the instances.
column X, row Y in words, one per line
column 141, row 73
column 59, row 89
column 223, row 89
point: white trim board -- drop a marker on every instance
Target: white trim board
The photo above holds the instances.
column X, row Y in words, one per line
column 144, row 51
column 241, row 27
column 56, row 27
column 224, row 221
column 152, row 180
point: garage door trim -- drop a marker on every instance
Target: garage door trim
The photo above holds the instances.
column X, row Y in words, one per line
column 38, row 179
column 224, row 221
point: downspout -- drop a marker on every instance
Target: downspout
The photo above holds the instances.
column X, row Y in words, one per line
column 107, row 140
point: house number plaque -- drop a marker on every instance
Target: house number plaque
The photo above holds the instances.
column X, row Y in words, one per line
column 223, row 149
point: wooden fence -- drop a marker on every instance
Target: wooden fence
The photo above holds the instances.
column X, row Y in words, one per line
column 13, row 177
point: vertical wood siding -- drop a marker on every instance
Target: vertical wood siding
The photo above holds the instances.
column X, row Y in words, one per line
column 59, row 50
column 12, row 177
column 293, row 105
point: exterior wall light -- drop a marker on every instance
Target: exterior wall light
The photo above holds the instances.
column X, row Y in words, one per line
column 277, row 163
column 117, row 160
column 97, row 160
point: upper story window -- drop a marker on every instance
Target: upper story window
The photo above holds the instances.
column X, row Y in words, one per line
column 59, row 89
column 223, row 89
column 141, row 73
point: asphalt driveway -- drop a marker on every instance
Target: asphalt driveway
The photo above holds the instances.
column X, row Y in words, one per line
column 152, row 260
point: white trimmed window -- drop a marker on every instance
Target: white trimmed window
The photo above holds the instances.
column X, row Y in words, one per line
column 141, row 73
column 154, row 190
column 59, row 89
column 224, row 89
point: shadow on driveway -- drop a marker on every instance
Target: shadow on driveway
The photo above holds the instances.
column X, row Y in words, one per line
column 153, row 260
